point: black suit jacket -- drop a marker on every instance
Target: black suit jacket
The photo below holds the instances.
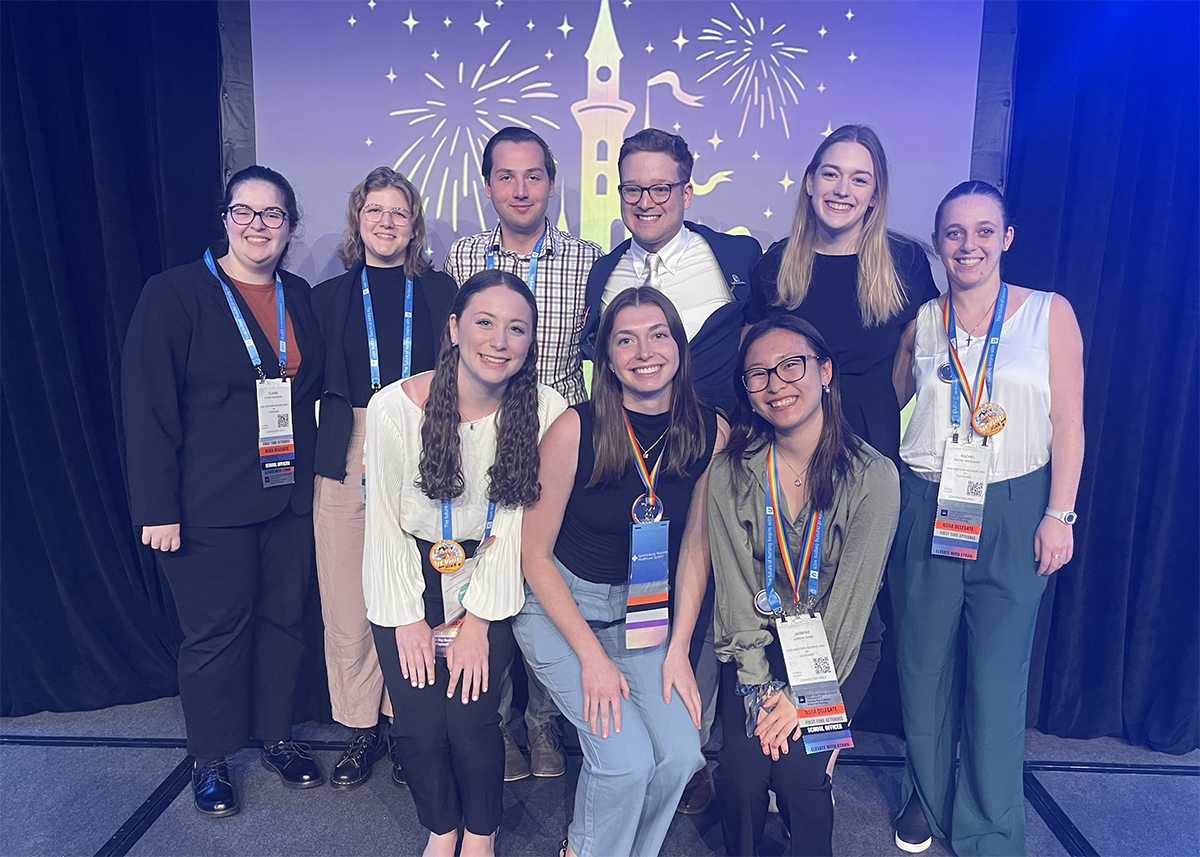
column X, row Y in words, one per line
column 190, row 403
column 331, row 302
column 714, row 348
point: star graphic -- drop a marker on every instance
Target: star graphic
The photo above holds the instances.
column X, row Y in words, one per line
column 756, row 155
column 768, row 213
column 482, row 23
column 676, row 126
column 627, row 3
column 369, row 141
column 852, row 56
column 786, row 181
column 649, row 48
column 447, row 21
column 821, row 88
column 680, row 40
column 530, row 25
column 499, row 3
column 565, row 28
column 822, row 31
column 849, row 14
column 828, row 129
column 549, row 55
column 435, row 54
column 372, row 4
column 391, row 75
column 351, row 21
column 410, row 22
column 715, row 140
column 695, row 156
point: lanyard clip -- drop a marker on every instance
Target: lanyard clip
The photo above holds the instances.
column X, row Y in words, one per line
column 954, row 437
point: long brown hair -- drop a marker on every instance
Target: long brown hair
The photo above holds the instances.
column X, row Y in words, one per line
column 351, row 252
column 881, row 293
column 610, row 443
column 513, row 476
column 837, row 447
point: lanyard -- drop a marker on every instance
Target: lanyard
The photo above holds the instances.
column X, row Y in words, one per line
column 533, row 260
column 448, row 524
column 959, row 384
column 280, row 317
column 810, row 557
column 373, row 342
column 649, row 477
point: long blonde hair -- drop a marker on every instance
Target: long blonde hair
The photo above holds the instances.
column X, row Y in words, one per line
column 881, row 294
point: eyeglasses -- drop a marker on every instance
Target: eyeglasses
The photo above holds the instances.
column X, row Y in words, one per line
column 374, row 214
column 659, row 193
column 243, row 215
column 788, row 370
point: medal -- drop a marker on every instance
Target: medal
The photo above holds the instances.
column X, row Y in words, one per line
column 762, row 604
column 946, row 373
column 647, row 511
column 447, row 556
column 988, row 419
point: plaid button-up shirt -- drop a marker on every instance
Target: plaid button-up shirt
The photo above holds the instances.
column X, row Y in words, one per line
column 562, row 272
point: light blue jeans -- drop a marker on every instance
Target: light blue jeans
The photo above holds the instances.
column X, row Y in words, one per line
column 637, row 773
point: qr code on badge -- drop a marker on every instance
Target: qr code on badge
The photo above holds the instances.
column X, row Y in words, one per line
column 283, row 420
column 974, row 489
column 821, row 665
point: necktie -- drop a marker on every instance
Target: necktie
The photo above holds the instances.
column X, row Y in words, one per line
column 653, row 271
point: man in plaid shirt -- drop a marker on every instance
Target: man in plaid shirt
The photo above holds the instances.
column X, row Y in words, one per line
column 518, row 177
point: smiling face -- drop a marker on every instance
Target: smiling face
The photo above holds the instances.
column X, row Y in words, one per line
column 385, row 242
column 519, row 186
column 788, row 405
column 841, row 192
column 493, row 336
column 971, row 239
column 255, row 249
column 642, row 353
column 654, row 224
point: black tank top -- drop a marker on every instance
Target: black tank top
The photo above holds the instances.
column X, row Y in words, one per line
column 593, row 541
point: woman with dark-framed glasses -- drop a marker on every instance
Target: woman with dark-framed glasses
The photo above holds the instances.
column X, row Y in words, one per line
column 801, row 514
column 222, row 367
column 381, row 323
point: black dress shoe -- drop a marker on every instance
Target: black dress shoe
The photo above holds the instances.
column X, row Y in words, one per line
column 213, row 789
column 397, row 773
column 293, row 764
column 366, row 747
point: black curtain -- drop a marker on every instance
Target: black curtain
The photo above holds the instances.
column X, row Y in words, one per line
column 1103, row 189
column 111, row 172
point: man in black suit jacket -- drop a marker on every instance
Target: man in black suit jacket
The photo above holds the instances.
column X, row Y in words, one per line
column 704, row 273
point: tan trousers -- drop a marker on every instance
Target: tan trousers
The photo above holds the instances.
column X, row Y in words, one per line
column 339, row 519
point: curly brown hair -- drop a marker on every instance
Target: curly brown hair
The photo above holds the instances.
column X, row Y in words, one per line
column 513, row 476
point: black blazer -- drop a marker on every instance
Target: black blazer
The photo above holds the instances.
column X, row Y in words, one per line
column 331, row 301
column 191, row 406
column 714, row 349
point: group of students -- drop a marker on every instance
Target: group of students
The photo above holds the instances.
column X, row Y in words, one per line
column 714, row 521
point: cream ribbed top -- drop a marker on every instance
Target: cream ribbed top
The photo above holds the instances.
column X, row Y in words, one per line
column 397, row 512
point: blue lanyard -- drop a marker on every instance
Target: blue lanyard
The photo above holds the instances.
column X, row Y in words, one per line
column 956, row 390
column 373, row 341
column 533, row 260
column 280, row 317
column 448, row 524
column 814, row 565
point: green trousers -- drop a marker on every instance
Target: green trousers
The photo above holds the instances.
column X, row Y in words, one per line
column 964, row 630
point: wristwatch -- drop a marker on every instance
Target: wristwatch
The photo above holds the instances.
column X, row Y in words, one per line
column 1068, row 518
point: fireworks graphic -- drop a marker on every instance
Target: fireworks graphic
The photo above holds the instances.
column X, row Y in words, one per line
column 445, row 162
column 757, row 63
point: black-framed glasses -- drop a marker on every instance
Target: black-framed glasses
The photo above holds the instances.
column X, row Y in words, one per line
column 243, row 215
column 659, row 193
column 789, row 370
column 374, row 214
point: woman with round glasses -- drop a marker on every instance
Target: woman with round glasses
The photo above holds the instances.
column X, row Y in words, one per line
column 843, row 271
column 801, row 514
column 380, row 322
column 221, row 370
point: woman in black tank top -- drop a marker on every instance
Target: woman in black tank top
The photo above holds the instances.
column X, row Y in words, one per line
column 623, row 483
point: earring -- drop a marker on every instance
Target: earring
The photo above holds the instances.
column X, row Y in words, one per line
column 824, row 388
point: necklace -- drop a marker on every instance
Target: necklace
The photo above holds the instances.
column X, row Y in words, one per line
column 646, row 452
column 798, row 481
column 986, row 314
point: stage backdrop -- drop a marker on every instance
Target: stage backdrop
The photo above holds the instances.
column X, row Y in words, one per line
column 340, row 88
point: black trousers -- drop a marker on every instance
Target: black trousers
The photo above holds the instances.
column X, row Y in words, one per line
column 240, row 593
column 803, row 791
column 452, row 754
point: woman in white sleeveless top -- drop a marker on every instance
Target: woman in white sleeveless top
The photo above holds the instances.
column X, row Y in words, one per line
column 985, row 515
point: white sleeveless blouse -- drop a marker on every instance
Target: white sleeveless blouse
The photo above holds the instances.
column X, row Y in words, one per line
column 1021, row 386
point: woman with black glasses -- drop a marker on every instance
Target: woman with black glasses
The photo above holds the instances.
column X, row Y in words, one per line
column 801, row 514
column 222, row 367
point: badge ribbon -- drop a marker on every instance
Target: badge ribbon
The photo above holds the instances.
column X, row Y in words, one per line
column 647, row 618
column 959, row 383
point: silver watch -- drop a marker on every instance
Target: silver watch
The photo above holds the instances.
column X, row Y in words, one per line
column 1068, row 518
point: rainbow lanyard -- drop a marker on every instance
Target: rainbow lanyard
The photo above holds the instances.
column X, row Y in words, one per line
column 959, row 385
column 810, row 556
column 247, row 339
column 649, row 477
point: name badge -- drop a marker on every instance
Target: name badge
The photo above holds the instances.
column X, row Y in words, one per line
column 276, row 444
column 456, row 584
column 646, row 616
column 443, row 636
column 961, row 494
column 820, row 711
